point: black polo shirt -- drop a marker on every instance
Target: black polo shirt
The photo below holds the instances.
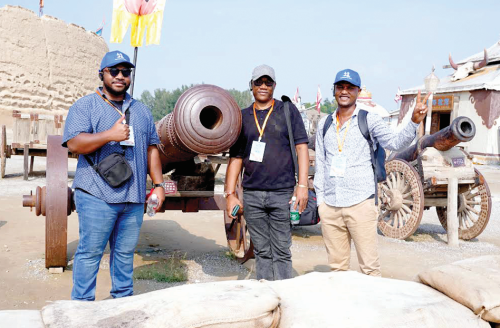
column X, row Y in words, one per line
column 276, row 170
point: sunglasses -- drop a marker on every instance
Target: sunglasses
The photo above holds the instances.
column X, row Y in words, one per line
column 259, row 82
column 115, row 71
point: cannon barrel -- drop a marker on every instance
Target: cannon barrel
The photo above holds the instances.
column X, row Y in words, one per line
column 206, row 120
column 462, row 129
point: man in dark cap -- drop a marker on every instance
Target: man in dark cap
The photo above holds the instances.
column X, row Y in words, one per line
column 263, row 150
column 344, row 180
column 98, row 125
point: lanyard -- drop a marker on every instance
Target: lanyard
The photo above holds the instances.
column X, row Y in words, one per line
column 261, row 130
column 110, row 103
column 341, row 145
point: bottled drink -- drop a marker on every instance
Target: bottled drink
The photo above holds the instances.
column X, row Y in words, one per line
column 294, row 213
column 152, row 204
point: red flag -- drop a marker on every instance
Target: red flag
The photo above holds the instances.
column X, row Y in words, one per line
column 296, row 97
column 318, row 100
column 398, row 97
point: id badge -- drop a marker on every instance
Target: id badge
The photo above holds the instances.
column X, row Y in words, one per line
column 257, row 151
column 338, row 167
column 130, row 141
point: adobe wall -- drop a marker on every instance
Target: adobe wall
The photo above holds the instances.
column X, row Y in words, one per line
column 45, row 63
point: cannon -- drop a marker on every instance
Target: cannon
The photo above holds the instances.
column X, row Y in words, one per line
column 419, row 178
column 206, row 120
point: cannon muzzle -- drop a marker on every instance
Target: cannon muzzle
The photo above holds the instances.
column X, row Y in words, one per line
column 462, row 129
column 206, row 120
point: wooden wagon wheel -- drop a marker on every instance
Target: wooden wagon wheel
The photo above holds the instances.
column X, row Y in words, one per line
column 55, row 202
column 401, row 200
column 238, row 237
column 474, row 209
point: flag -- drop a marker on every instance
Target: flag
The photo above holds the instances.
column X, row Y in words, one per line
column 143, row 15
column 398, row 97
column 296, row 97
column 99, row 30
column 318, row 100
column 40, row 12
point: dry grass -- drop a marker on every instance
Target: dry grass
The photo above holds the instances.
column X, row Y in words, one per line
column 172, row 269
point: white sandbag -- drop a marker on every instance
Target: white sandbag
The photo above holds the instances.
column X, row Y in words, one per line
column 474, row 282
column 247, row 304
column 350, row 299
column 21, row 319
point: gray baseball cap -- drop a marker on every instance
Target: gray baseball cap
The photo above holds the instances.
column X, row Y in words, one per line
column 263, row 70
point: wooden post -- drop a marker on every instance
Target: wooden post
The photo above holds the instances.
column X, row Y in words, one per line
column 452, row 209
column 32, row 163
column 3, row 151
column 26, row 160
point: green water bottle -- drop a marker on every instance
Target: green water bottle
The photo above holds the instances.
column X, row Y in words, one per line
column 294, row 213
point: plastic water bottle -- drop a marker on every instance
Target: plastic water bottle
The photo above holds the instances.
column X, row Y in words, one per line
column 152, row 203
column 294, row 213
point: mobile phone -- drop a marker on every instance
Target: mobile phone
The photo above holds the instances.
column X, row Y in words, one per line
column 235, row 210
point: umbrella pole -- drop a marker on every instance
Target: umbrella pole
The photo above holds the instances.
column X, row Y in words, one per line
column 133, row 73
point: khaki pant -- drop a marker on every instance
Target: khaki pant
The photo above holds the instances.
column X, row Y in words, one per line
column 359, row 222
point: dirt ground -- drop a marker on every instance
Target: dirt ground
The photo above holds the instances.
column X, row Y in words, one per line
column 200, row 238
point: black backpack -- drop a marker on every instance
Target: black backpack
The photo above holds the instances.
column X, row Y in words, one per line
column 377, row 155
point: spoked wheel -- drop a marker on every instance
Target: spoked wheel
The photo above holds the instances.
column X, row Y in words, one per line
column 401, row 200
column 474, row 209
column 238, row 237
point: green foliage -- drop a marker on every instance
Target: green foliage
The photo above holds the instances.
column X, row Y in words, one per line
column 329, row 106
column 163, row 101
column 243, row 98
column 326, row 107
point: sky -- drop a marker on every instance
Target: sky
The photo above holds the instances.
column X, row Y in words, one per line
column 390, row 44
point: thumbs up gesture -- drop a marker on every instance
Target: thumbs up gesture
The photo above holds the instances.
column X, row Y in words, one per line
column 119, row 131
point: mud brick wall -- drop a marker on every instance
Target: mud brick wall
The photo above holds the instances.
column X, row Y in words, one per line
column 45, row 63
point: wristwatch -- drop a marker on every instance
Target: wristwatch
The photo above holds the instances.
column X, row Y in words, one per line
column 156, row 185
column 226, row 194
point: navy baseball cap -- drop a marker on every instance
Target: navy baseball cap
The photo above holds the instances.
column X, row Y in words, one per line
column 114, row 58
column 348, row 75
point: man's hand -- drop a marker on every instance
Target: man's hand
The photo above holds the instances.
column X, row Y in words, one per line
column 160, row 194
column 231, row 202
column 420, row 110
column 302, row 195
column 119, row 131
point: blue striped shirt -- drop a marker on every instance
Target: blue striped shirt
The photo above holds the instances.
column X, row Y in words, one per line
column 91, row 114
column 358, row 182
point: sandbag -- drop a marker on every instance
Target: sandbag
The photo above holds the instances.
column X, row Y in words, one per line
column 473, row 282
column 246, row 304
column 350, row 299
column 21, row 319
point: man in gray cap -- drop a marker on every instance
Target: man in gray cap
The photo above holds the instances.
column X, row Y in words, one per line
column 263, row 150
column 344, row 180
column 104, row 125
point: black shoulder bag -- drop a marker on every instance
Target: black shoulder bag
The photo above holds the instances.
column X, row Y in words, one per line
column 114, row 169
column 310, row 215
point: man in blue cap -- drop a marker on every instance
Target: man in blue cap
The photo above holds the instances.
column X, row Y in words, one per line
column 344, row 178
column 109, row 122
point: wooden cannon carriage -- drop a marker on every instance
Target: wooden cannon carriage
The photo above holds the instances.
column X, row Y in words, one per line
column 206, row 120
column 424, row 175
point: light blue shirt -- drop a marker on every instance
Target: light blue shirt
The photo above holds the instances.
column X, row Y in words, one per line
column 358, row 182
column 91, row 114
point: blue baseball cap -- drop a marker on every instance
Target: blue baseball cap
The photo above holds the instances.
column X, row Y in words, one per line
column 348, row 75
column 114, row 58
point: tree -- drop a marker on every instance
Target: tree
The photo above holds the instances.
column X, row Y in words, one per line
column 163, row 101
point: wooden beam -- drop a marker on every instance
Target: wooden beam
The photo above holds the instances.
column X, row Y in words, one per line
column 452, row 209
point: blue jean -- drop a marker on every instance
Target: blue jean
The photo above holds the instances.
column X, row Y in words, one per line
column 100, row 222
column 267, row 213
